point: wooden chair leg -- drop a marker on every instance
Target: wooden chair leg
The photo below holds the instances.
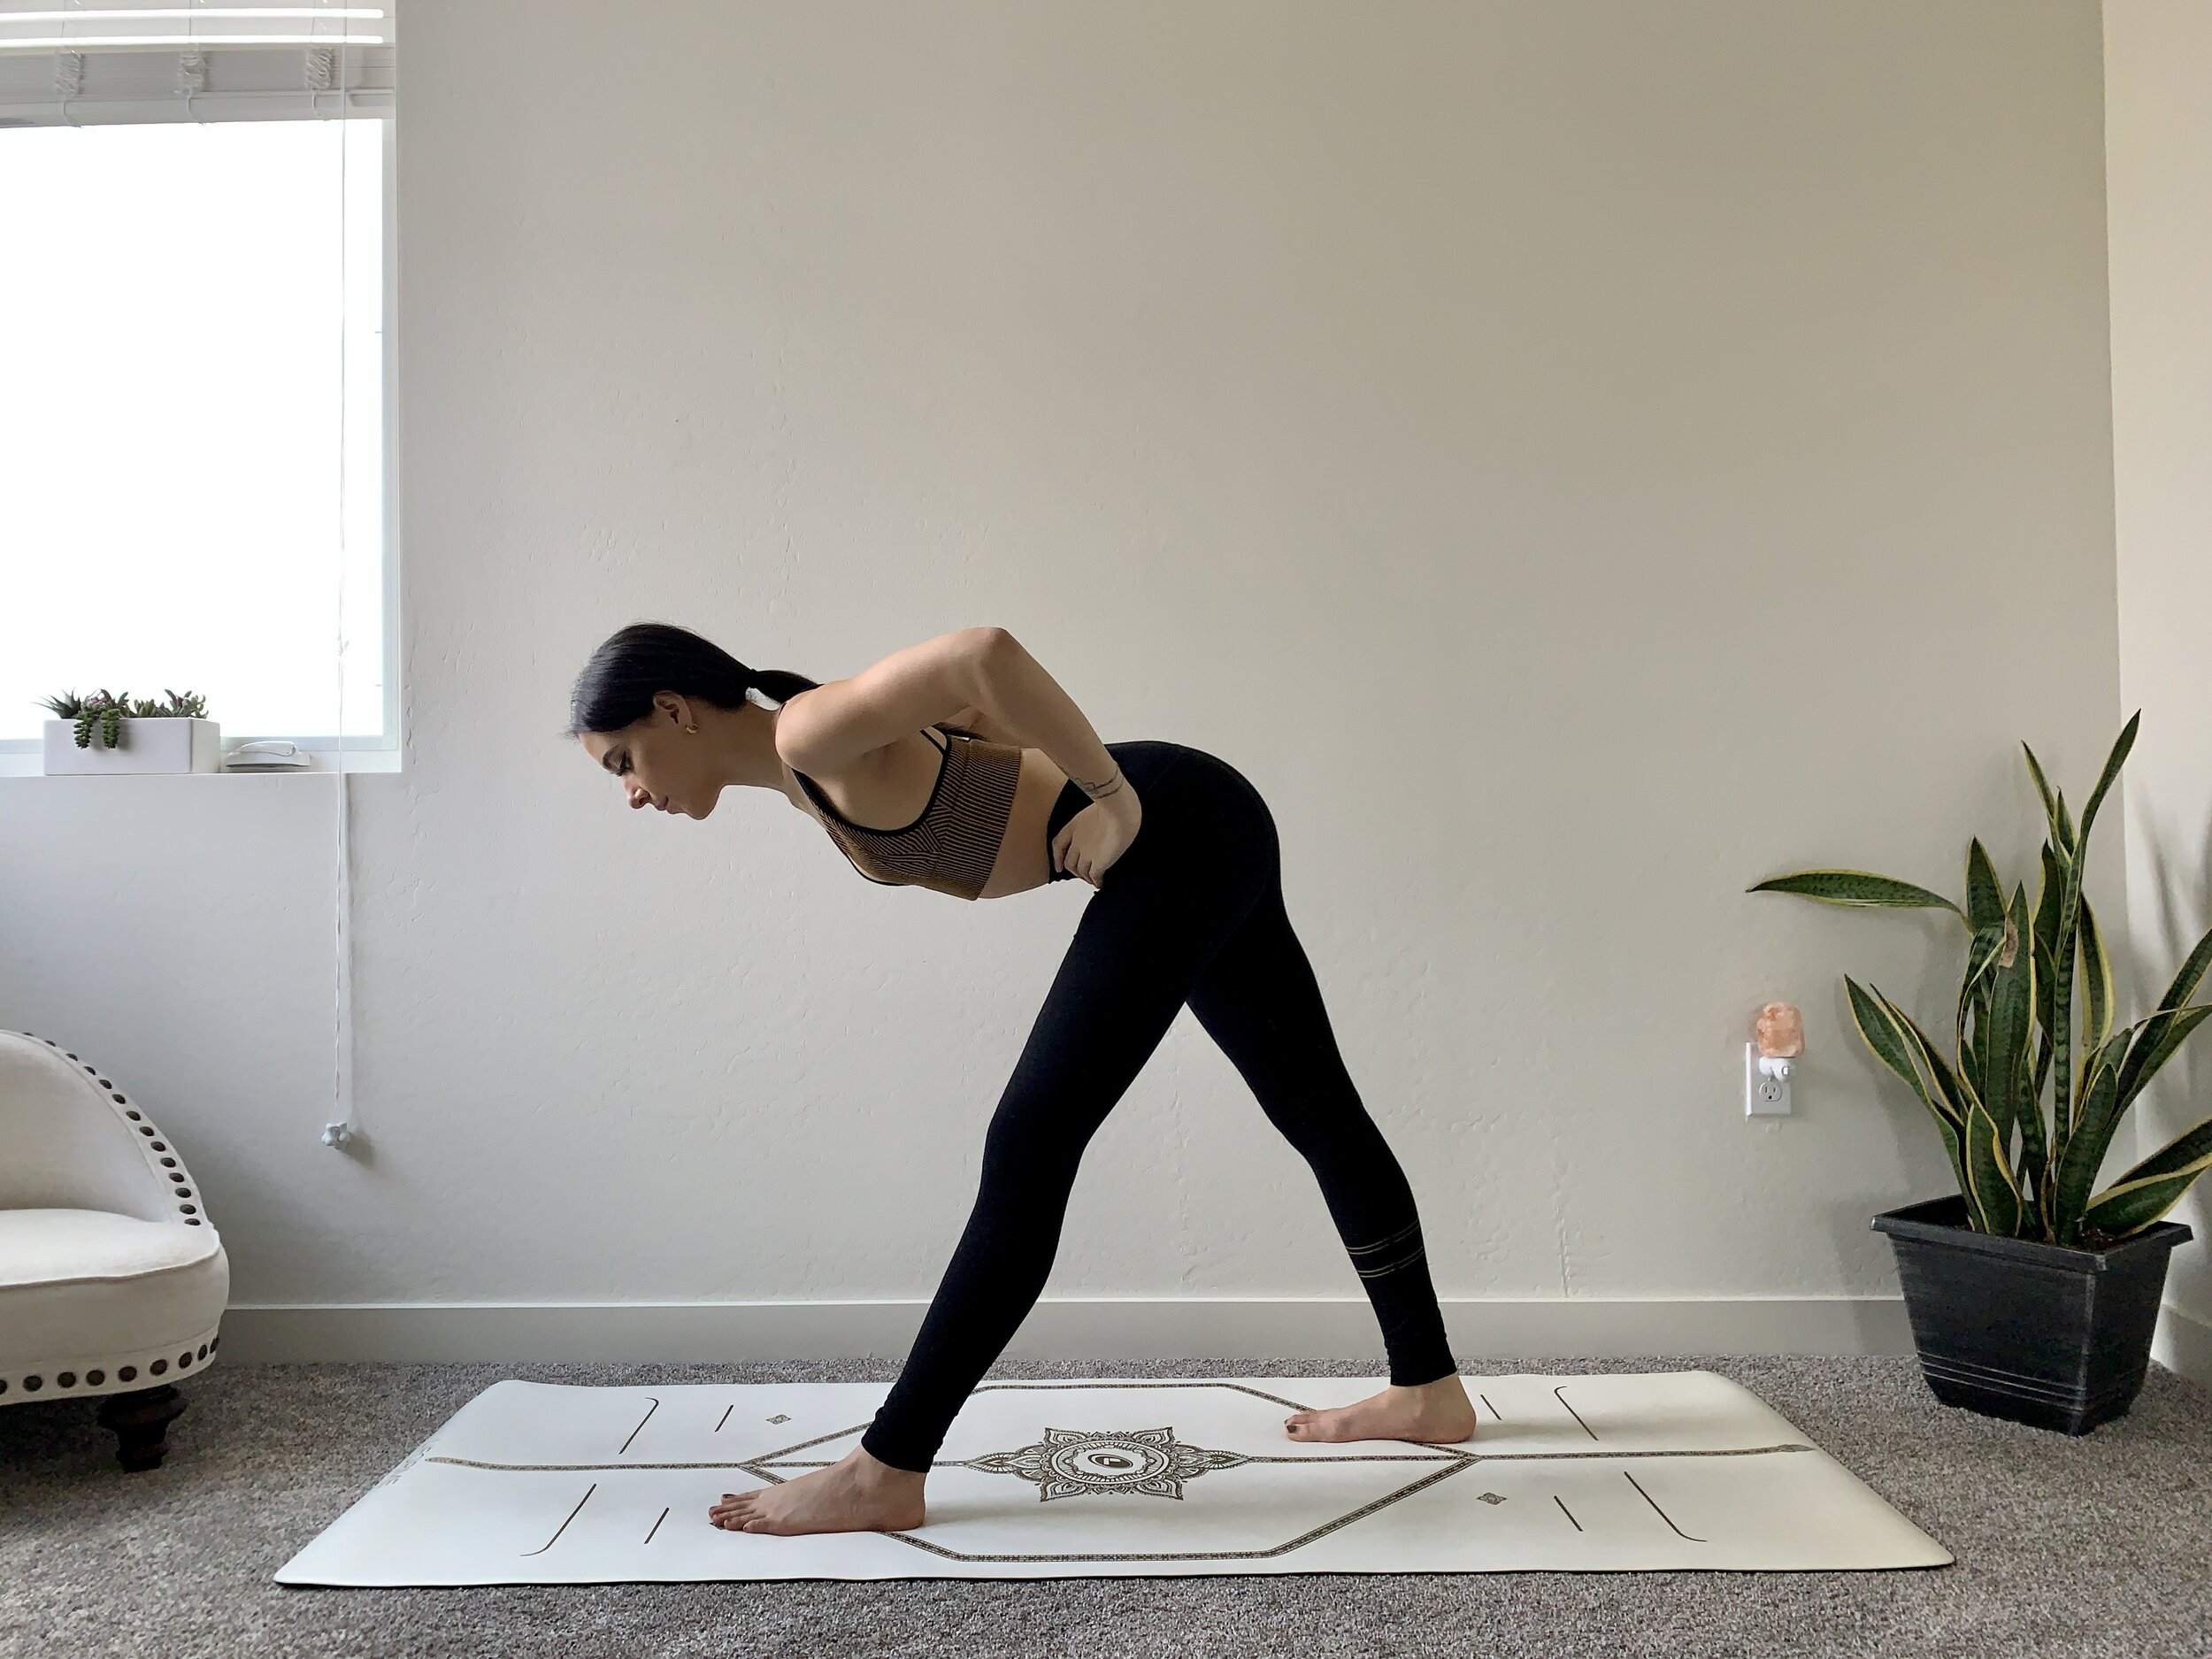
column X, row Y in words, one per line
column 141, row 1421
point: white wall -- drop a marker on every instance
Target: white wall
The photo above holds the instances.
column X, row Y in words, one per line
column 2158, row 62
column 1576, row 459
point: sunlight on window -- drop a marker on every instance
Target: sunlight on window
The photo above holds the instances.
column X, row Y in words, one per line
column 191, row 436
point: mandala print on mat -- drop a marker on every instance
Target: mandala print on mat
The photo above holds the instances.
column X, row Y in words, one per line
column 1068, row 1463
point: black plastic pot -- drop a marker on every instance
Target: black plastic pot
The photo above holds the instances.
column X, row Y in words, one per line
column 2040, row 1333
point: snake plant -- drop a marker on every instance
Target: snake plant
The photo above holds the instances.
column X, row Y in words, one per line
column 2026, row 1174
column 105, row 712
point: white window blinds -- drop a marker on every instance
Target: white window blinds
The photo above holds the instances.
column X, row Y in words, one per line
column 98, row 61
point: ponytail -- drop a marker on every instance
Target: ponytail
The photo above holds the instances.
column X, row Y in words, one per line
column 617, row 686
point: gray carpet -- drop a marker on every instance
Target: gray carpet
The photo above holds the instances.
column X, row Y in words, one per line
column 2098, row 1546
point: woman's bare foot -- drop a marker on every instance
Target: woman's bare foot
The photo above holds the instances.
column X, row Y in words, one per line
column 1433, row 1412
column 856, row 1494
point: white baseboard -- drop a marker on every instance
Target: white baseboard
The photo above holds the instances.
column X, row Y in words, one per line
column 1090, row 1328
column 2183, row 1345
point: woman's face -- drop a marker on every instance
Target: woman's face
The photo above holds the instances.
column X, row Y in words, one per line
column 657, row 763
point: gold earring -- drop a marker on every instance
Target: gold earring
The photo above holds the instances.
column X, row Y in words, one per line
column 691, row 728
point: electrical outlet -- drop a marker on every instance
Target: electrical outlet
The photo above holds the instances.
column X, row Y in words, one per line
column 1763, row 1096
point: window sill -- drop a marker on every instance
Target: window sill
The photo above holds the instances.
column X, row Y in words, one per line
column 27, row 763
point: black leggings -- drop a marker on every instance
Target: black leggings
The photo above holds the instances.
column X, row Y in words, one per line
column 1191, row 912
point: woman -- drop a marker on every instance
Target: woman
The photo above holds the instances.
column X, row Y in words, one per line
column 961, row 744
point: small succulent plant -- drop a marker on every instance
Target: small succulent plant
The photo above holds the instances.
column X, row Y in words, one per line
column 105, row 711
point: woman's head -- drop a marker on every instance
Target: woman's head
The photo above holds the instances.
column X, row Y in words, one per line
column 641, row 706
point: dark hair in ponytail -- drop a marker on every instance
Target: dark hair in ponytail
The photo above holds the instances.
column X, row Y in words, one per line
column 616, row 686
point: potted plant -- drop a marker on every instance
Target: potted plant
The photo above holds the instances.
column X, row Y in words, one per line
column 2031, row 1299
column 112, row 732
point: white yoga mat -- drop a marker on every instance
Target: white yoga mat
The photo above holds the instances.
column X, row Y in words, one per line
column 535, row 1483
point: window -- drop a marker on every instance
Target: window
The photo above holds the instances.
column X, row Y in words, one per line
column 194, row 439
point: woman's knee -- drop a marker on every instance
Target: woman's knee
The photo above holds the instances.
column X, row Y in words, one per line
column 1025, row 1157
column 1320, row 1133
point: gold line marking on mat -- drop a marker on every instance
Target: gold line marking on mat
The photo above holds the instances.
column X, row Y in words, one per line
column 641, row 1422
column 1439, row 1457
column 1663, row 1516
column 802, row 1445
column 1303, row 1539
column 657, row 1526
column 1202, row 1382
column 1494, row 1410
column 1571, row 1412
column 470, row 1462
column 725, row 1414
column 1569, row 1513
column 1443, row 1453
column 555, row 1538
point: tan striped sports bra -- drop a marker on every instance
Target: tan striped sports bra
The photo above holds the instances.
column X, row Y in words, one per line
column 950, row 848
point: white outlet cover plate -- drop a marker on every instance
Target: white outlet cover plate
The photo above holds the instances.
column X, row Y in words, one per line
column 1757, row 1087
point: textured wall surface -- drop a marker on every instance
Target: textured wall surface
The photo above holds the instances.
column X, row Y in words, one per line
column 2158, row 61
column 1576, row 459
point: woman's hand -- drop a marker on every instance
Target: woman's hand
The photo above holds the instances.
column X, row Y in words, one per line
column 1090, row 843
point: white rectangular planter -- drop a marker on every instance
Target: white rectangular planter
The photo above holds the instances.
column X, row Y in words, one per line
column 148, row 746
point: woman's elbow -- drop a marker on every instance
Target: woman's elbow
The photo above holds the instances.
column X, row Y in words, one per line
column 990, row 650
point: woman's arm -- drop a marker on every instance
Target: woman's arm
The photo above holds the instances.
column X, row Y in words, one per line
column 1029, row 706
column 835, row 722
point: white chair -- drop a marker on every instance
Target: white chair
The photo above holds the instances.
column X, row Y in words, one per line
column 112, row 1277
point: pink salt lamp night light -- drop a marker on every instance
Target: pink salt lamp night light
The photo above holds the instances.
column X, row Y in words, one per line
column 1781, row 1038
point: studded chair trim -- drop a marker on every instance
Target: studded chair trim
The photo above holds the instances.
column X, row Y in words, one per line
column 149, row 1368
column 111, row 1373
column 153, row 1146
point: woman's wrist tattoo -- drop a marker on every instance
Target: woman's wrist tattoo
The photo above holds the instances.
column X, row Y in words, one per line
column 1099, row 792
